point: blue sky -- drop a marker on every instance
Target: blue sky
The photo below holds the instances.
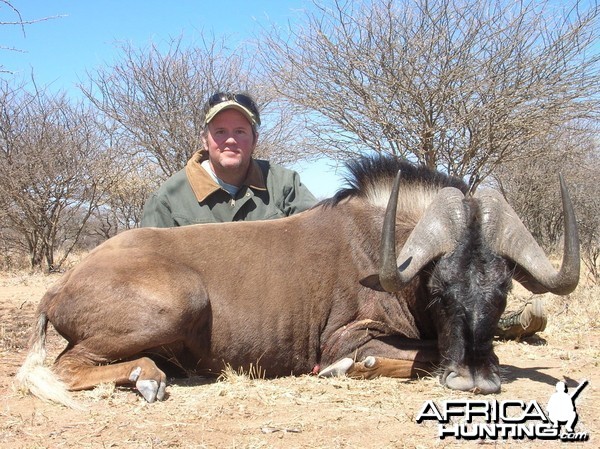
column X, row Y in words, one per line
column 87, row 35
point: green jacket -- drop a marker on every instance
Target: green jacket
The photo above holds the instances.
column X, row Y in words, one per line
column 191, row 196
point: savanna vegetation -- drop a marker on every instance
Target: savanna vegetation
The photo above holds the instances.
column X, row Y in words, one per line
column 502, row 94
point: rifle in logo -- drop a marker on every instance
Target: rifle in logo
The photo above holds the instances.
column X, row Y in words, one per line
column 561, row 406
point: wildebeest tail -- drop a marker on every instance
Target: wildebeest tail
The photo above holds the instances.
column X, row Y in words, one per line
column 35, row 377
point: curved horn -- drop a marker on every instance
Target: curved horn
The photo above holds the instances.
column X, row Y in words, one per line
column 436, row 233
column 508, row 237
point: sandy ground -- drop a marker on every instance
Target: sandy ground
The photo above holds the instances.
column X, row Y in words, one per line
column 301, row 412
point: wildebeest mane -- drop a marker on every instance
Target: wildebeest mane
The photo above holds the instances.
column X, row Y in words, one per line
column 369, row 173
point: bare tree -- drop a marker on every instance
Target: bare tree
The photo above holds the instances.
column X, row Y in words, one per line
column 458, row 85
column 588, row 211
column 122, row 209
column 52, row 173
column 531, row 186
column 155, row 100
column 18, row 21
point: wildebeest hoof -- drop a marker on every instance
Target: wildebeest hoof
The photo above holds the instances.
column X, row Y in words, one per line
column 467, row 382
column 161, row 391
column 339, row 368
column 135, row 373
column 151, row 390
column 369, row 362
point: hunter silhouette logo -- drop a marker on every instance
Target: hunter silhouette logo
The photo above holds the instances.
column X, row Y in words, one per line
column 561, row 406
column 508, row 419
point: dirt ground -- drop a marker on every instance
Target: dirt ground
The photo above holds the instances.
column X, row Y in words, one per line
column 301, row 412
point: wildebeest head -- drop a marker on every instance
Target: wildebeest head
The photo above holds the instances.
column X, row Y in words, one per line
column 469, row 287
column 472, row 247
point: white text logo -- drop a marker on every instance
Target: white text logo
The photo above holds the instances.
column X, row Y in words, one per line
column 510, row 419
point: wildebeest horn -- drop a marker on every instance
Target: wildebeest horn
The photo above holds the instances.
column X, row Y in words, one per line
column 508, row 237
column 436, row 233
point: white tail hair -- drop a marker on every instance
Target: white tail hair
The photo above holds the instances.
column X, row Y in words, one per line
column 39, row 380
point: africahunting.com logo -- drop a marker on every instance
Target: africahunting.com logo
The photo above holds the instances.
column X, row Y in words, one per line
column 510, row 419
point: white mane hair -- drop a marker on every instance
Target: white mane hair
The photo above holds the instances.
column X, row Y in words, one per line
column 372, row 177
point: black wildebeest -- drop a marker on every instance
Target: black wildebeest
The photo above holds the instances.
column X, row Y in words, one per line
column 323, row 288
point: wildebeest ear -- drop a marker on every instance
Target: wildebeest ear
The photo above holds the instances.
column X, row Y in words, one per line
column 372, row 282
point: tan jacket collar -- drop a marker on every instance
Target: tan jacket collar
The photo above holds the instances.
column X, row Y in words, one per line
column 202, row 183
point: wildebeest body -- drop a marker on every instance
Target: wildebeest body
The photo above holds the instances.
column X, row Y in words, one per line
column 294, row 295
column 190, row 288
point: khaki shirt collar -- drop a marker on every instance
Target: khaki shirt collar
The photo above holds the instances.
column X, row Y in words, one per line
column 203, row 184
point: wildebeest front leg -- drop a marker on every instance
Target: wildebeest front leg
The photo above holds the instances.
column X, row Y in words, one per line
column 372, row 367
column 81, row 373
column 369, row 353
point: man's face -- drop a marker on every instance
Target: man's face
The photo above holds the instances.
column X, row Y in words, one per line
column 230, row 143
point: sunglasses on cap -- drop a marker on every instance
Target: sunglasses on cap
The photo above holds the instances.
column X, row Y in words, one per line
column 241, row 99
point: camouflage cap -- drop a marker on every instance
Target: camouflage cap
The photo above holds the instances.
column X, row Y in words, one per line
column 253, row 118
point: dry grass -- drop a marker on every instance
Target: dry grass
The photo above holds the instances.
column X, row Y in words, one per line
column 232, row 375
